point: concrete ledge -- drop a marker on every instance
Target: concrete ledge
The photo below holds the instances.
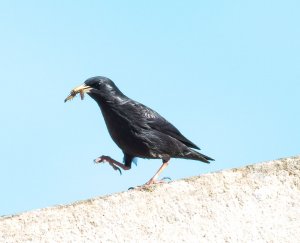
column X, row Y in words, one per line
column 257, row 203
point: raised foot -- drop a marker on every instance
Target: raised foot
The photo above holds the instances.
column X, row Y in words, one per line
column 109, row 160
column 102, row 159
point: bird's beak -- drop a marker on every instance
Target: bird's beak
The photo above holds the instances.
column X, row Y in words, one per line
column 81, row 90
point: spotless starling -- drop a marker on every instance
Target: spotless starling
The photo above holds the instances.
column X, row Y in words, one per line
column 138, row 130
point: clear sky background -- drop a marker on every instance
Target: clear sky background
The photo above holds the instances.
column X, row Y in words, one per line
column 225, row 73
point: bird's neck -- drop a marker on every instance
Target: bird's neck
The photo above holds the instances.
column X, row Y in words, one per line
column 111, row 99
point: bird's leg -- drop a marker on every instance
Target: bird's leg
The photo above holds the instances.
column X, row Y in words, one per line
column 113, row 163
column 154, row 180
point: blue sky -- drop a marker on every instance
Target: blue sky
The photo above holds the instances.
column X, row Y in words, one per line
column 225, row 73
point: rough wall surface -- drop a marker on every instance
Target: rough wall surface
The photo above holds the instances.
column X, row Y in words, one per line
column 257, row 203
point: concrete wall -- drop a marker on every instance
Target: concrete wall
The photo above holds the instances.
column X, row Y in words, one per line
column 258, row 203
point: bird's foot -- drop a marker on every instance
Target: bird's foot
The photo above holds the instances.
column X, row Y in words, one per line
column 108, row 159
column 152, row 182
column 102, row 158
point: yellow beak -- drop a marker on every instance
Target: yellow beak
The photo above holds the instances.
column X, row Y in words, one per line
column 81, row 90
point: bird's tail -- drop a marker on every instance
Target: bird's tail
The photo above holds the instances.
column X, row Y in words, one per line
column 194, row 155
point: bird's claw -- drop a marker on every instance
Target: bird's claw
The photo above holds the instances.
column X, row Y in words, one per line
column 98, row 160
column 152, row 182
column 104, row 158
column 117, row 168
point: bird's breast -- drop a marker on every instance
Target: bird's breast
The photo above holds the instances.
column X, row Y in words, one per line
column 125, row 133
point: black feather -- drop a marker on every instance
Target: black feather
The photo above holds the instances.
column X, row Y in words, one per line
column 138, row 130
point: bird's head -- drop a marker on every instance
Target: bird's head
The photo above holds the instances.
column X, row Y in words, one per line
column 99, row 85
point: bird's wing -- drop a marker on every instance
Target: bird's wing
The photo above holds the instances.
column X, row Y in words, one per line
column 155, row 121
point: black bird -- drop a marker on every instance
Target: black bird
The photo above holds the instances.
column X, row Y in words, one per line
column 138, row 130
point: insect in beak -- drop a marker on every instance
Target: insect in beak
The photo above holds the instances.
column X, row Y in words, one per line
column 78, row 90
